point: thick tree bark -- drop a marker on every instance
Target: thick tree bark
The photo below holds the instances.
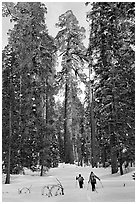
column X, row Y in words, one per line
column 61, row 148
column 9, row 149
column 93, row 159
column 121, row 163
column 10, row 132
column 113, row 150
column 41, row 170
column 104, row 156
column 65, row 123
column 8, row 166
column 92, row 122
column 68, row 149
column 43, row 157
column 114, row 165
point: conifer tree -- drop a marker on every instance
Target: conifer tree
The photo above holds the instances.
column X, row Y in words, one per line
column 35, row 59
column 112, row 48
column 69, row 42
column 8, row 98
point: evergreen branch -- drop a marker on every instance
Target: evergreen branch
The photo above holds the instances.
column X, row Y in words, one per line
column 10, row 13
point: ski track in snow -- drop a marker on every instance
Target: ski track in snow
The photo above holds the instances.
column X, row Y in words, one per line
column 115, row 188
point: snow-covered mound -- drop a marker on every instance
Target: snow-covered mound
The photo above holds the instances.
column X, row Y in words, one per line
column 112, row 188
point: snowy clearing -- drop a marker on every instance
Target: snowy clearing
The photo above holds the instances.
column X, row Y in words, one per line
column 115, row 188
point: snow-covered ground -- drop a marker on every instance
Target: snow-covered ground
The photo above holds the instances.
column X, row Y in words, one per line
column 115, row 188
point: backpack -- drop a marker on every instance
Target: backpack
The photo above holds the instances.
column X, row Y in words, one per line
column 93, row 179
column 80, row 179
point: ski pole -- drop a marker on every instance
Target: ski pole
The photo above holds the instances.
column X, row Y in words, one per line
column 101, row 184
column 88, row 186
column 76, row 184
column 96, row 190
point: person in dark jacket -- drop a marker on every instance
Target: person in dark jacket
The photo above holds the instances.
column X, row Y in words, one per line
column 80, row 179
column 92, row 180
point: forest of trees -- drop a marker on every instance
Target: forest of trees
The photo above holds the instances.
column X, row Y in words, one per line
column 37, row 129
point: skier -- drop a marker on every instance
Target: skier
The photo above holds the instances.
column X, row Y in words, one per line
column 80, row 180
column 92, row 180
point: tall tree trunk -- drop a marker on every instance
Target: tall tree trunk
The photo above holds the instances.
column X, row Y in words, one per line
column 68, row 146
column 61, row 148
column 65, row 124
column 68, row 149
column 92, row 131
column 114, row 140
column 43, row 157
column 8, row 166
column 10, row 130
column 20, row 119
column 9, row 149
column 69, row 121
column 41, row 170
column 120, row 162
column 114, row 165
column 113, row 150
column 92, row 124
column 104, row 156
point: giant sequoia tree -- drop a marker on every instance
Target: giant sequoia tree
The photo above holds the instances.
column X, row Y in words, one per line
column 69, row 42
column 112, row 48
